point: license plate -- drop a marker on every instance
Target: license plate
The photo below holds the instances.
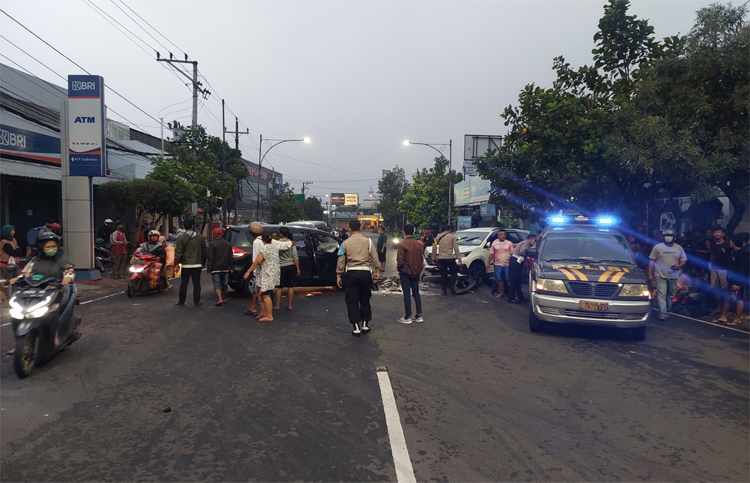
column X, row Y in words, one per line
column 594, row 306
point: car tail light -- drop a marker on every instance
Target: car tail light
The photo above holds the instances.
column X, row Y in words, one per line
column 237, row 253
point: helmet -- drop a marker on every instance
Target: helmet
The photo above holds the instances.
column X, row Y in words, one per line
column 256, row 228
column 47, row 236
column 107, row 221
column 153, row 232
column 668, row 231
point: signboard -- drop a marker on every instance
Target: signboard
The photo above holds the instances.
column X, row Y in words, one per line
column 487, row 210
column 29, row 145
column 480, row 190
column 477, row 145
column 464, row 222
column 351, row 199
column 299, row 199
column 461, row 193
column 86, row 123
column 337, row 198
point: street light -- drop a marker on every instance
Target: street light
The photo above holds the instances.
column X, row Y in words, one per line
column 262, row 156
column 450, row 166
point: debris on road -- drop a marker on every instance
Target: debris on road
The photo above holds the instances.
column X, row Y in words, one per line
column 167, row 409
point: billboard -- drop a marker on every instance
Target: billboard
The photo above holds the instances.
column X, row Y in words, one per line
column 337, row 198
column 86, row 123
column 351, row 199
column 464, row 222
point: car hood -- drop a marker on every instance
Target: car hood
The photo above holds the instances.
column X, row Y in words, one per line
column 591, row 272
column 468, row 248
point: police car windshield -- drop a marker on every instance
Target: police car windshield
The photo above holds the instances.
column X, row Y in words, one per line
column 592, row 247
column 471, row 238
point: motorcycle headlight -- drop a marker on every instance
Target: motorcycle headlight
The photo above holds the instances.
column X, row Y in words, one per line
column 39, row 306
column 635, row 290
column 135, row 269
column 551, row 285
column 395, row 240
column 16, row 314
column 14, row 304
column 39, row 312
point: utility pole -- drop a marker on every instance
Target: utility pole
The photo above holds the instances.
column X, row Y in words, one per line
column 196, row 84
column 223, row 161
column 260, row 161
column 236, row 133
column 305, row 184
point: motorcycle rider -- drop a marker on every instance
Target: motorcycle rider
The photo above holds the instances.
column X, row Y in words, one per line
column 153, row 246
column 51, row 263
column 105, row 231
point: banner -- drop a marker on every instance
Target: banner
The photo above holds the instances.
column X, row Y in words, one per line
column 338, row 198
column 86, row 123
column 488, row 210
column 464, row 222
column 351, row 199
column 29, row 145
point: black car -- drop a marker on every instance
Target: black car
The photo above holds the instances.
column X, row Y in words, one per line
column 317, row 250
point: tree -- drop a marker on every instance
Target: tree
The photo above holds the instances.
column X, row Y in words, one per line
column 285, row 208
column 313, row 209
column 425, row 202
column 391, row 190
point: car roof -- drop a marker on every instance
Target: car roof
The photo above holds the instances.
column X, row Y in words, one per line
column 293, row 228
column 581, row 229
column 489, row 229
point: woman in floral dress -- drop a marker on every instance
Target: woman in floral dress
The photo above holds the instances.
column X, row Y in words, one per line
column 269, row 275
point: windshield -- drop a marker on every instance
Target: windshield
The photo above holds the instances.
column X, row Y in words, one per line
column 471, row 238
column 591, row 247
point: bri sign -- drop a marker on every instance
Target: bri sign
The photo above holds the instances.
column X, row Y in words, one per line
column 87, row 149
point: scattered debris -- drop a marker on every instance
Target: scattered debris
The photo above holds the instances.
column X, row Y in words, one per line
column 167, row 409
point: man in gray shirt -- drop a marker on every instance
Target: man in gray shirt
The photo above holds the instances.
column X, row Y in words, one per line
column 664, row 269
column 289, row 264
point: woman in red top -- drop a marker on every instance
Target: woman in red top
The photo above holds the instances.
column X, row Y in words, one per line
column 119, row 251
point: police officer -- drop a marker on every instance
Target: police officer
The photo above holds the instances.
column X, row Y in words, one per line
column 516, row 269
column 358, row 258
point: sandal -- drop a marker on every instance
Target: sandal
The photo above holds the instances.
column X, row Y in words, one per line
column 265, row 319
column 250, row 312
column 734, row 322
column 719, row 321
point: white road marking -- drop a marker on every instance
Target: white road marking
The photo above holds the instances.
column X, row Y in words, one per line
column 100, row 298
column 707, row 323
column 404, row 470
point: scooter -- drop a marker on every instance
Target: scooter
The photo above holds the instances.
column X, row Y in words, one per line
column 41, row 308
column 102, row 257
column 145, row 275
column 395, row 242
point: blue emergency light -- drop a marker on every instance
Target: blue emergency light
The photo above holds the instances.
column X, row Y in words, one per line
column 557, row 219
column 606, row 220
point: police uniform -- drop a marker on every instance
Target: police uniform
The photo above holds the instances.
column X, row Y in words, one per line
column 357, row 259
column 516, row 271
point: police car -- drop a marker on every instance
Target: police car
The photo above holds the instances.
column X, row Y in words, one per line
column 585, row 273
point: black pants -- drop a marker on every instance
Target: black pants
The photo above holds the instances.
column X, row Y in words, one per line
column 410, row 287
column 358, row 290
column 187, row 274
column 448, row 267
column 516, row 273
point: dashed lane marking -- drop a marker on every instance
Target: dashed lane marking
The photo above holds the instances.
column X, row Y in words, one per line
column 401, row 460
column 707, row 323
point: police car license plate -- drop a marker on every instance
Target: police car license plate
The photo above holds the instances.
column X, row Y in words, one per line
column 594, row 306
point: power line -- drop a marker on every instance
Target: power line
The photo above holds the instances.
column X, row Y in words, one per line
column 141, row 26
column 19, row 48
column 314, row 164
column 157, row 31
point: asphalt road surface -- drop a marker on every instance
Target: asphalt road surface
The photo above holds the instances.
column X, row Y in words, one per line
column 479, row 397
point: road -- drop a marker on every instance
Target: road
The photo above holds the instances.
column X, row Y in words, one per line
column 479, row 397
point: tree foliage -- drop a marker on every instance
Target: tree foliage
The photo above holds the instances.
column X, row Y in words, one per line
column 425, row 202
column 313, row 209
column 391, row 189
column 649, row 118
column 284, row 208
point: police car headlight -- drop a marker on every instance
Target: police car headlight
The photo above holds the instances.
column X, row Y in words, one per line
column 551, row 285
column 634, row 290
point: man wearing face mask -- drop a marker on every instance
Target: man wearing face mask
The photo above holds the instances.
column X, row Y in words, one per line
column 667, row 259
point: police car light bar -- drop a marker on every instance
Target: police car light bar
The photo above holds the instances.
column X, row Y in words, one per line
column 606, row 221
column 557, row 219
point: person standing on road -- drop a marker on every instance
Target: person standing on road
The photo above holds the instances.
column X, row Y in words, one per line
column 445, row 251
column 739, row 275
column 500, row 252
column 515, row 269
column 409, row 263
column 358, row 258
column 255, row 230
column 270, row 274
column 289, row 263
column 721, row 261
column 429, row 238
column 189, row 251
column 667, row 259
column 219, row 264
column 382, row 247
column 10, row 252
column 119, row 244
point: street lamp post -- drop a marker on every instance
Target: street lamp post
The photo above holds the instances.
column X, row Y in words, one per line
column 450, row 167
column 262, row 156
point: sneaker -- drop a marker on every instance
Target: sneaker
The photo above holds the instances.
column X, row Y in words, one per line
column 417, row 318
column 356, row 332
column 404, row 320
column 365, row 326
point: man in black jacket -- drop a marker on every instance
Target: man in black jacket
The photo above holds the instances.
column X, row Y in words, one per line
column 219, row 265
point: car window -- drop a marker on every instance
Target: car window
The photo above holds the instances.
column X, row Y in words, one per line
column 325, row 243
column 242, row 239
column 596, row 247
column 470, row 238
column 513, row 237
column 299, row 239
column 492, row 238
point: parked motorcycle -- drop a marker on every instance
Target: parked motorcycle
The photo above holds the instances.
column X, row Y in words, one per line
column 145, row 275
column 102, row 257
column 41, row 308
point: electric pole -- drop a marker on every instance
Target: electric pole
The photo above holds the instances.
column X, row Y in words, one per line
column 196, row 84
column 236, row 133
column 305, row 184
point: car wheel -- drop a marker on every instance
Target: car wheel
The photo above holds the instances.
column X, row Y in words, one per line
column 535, row 325
column 639, row 334
column 472, row 279
column 246, row 284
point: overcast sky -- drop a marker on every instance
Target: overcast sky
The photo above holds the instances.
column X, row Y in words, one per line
column 358, row 77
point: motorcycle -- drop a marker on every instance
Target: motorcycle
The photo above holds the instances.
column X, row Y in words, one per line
column 41, row 308
column 146, row 275
column 395, row 242
column 102, row 257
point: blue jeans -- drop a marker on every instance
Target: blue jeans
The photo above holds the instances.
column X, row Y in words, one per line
column 502, row 275
column 665, row 288
column 410, row 287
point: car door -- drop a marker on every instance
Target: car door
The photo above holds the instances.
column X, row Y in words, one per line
column 326, row 257
column 486, row 248
column 306, row 257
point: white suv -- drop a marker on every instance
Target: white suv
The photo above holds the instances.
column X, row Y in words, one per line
column 474, row 245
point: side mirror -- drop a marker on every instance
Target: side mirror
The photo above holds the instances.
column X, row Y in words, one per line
column 531, row 252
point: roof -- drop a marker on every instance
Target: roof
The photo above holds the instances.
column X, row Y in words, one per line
column 370, row 202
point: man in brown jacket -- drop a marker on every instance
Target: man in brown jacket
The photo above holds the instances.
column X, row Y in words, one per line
column 445, row 251
column 409, row 263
